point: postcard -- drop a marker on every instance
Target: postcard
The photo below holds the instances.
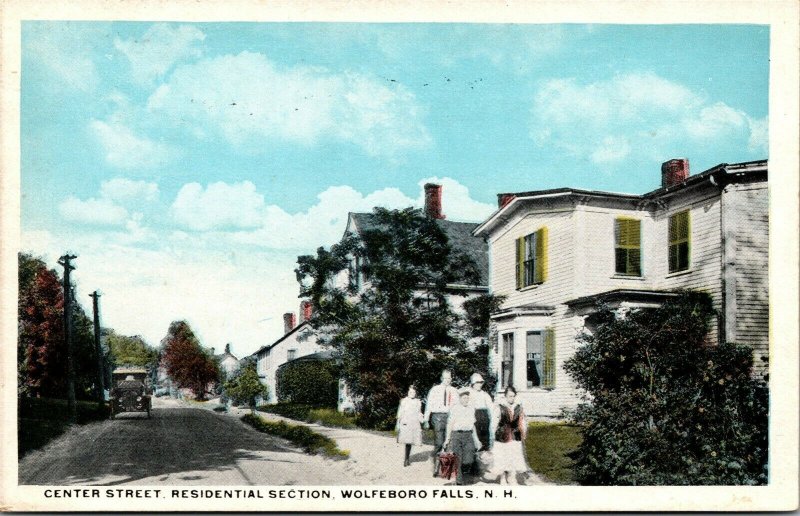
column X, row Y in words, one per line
column 399, row 256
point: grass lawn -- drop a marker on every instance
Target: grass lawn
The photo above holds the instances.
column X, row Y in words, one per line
column 321, row 416
column 547, row 445
column 40, row 420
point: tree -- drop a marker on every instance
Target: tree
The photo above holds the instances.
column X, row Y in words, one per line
column 244, row 387
column 401, row 329
column 187, row 363
column 132, row 351
column 41, row 351
column 665, row 407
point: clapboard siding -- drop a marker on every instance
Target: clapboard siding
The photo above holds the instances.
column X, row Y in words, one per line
column 746, row 218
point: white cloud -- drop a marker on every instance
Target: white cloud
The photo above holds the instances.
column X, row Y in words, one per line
column 219, row 206
column 126, row 150
column 759, row 134
column 153, row 54
column 635, row 115
column 65, row 49
column 248, row 99
column 126, row 191
column 96, row 212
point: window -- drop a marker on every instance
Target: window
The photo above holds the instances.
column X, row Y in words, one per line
column 628, row 246
column 541, row 358
column 534, row 343
column 679, row 241
column 507, row 367
column 354, row 273
column 532, row 259
column 291, row 354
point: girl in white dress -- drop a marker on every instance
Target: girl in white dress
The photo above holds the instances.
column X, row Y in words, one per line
column 511, row 429
column 409, row 419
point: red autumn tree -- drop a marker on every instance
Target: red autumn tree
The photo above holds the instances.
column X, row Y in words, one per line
column 187, row 363
column 42, row 356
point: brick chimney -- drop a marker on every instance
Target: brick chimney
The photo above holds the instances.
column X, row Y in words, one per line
column 305, row 311
column 433, row 201
column 674, row 171
column 288, row 322
column 504, row 198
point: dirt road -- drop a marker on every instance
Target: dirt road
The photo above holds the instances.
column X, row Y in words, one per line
column 184, row 445
column 179, row 445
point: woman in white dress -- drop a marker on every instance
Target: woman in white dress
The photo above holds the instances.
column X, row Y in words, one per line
column 511, row 429
column 409, row 419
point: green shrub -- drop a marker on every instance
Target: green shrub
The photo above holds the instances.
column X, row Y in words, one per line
column 547, row 447
column 311, row 442
column 665, row 407
column 309, row 382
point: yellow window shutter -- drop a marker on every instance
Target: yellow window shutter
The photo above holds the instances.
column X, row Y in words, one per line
column 540, row 273
column 520, row 262
column 549, row 359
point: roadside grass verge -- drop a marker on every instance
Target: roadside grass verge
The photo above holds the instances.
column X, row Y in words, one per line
column 547, row 445
column 320, row 415
column 310, row 441
column 40, row 420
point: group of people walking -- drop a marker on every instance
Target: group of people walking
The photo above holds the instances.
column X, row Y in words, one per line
column 469, row 424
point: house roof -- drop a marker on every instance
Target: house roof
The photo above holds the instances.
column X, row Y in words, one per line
column 281, row 339
column 719, row 175
column 622, row 295
column 459, row 234
column 320, row 355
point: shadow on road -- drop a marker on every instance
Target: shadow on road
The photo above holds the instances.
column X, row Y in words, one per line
column 175, row 440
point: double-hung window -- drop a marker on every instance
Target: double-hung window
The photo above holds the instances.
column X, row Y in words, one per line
column 291, row 354
column 628, row 246
column 679, row 241
column 531, row 266
column 540, row 358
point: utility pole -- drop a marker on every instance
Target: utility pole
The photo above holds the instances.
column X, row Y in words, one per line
column 98, row 349
column 71, row 405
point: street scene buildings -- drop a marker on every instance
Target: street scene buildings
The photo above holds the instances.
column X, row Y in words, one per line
column 707, row 232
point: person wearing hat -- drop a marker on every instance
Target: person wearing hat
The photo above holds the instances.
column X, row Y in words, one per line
column 481, row 402
column 461, row 436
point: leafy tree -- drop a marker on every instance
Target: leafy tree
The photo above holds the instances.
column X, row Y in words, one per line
column 665, row 407
column 400, row 329
column 132, row 351
column 244, row 387
column 187, row 363
column 41, row 351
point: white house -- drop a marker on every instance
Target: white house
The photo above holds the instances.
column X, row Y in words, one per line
column 227, row 360
column 555, row 253
column 298, row 340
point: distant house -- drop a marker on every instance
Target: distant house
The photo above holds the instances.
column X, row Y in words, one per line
column 227, row 360
column 298, row 340
column 555, row 253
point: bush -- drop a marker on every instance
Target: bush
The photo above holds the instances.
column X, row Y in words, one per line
column 309, row 382
column 311, row 442
column 666, row 407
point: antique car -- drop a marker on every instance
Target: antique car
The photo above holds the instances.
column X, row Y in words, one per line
column 130, row 392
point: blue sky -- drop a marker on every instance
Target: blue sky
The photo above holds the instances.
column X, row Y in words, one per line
column 189, row 164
